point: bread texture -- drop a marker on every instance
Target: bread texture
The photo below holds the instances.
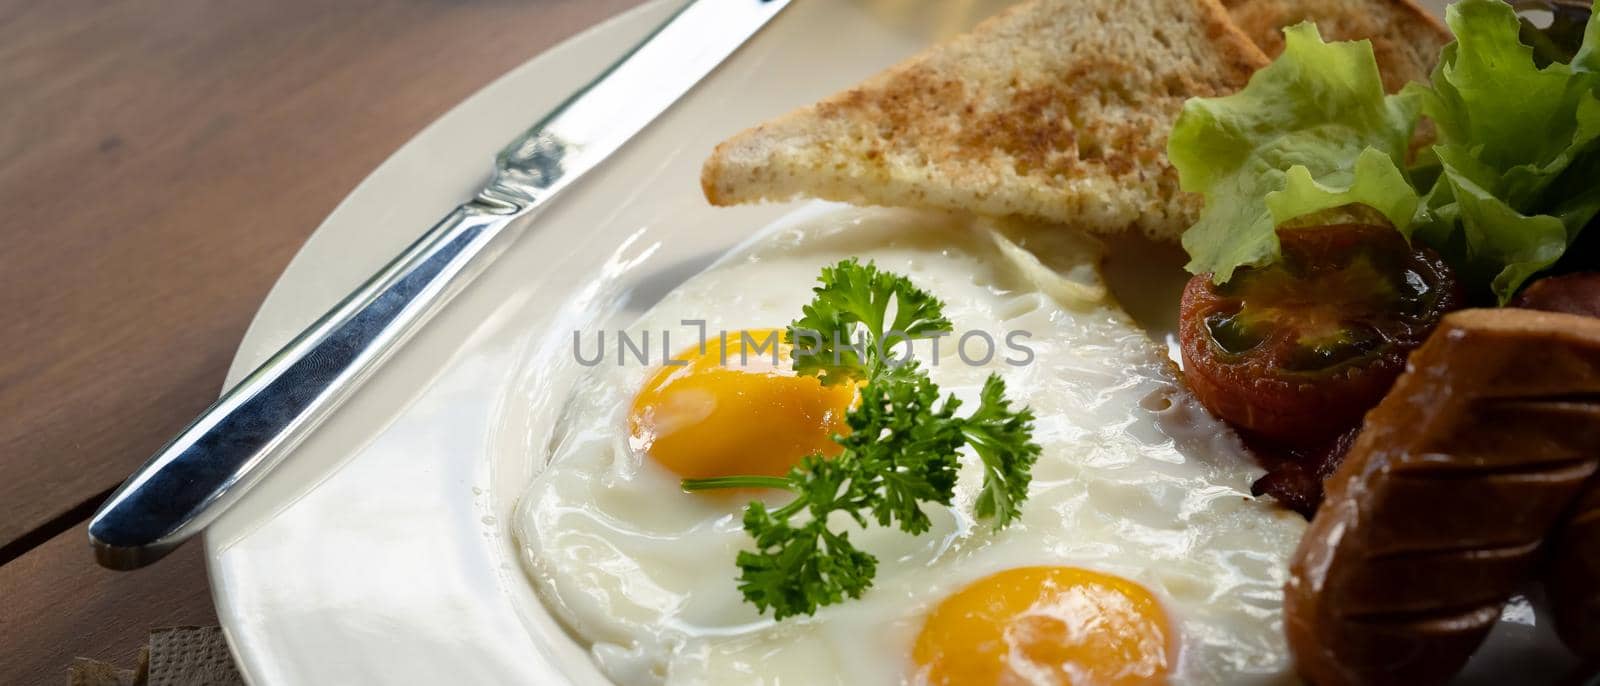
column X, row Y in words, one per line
column 1054, row 110
column 1405, row 37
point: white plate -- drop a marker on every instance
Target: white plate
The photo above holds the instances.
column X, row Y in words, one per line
column 380, row 552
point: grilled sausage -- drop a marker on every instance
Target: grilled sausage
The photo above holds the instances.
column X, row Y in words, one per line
column 1571, row 293
column 1572, row 575
column 1440, row 508
column 1572, row 579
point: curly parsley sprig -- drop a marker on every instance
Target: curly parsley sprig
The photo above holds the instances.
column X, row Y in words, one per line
column 851, row 298
column 901, row 452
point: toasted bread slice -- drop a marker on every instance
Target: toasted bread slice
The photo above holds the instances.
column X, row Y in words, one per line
column 1405, row 37
column 1054, row 110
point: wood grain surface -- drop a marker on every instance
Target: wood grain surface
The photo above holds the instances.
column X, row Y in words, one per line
column 160, row 161
column 57, row 607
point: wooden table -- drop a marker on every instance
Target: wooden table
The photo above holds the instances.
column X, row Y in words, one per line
column 127, row 127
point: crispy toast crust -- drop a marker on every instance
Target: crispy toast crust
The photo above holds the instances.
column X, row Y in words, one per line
column 1054, row 109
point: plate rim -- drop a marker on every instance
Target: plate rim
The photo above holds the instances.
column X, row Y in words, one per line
column 261, row 338
column 258, row 341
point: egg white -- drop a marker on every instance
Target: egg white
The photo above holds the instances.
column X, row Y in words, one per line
column 1135, row 479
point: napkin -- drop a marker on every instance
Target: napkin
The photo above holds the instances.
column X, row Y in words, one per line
column 177, row 656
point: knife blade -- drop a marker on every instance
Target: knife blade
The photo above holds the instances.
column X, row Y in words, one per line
column 189, row 482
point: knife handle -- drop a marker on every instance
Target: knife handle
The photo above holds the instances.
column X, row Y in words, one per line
column 191, row 480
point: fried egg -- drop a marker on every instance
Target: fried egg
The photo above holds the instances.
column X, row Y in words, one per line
column 1140, row 556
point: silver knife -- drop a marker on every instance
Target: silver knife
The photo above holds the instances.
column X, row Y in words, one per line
column 190, row 481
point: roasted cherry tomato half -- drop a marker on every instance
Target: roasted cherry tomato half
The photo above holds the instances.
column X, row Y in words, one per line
column 1298, row 350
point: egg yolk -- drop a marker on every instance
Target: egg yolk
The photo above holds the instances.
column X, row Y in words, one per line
column 729, row 410
column 1053, row 625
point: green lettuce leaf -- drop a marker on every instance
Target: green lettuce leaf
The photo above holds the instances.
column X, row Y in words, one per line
column 1311, row 131
column 1508, row 186
column 1487, row 92
column 1504, row 245
column 1517, row 147
column 1588, row 58
column 1374, row 181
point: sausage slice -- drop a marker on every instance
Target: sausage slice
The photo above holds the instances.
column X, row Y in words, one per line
column 1572, row 573
column 1440, row 508
column 1572, row 581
